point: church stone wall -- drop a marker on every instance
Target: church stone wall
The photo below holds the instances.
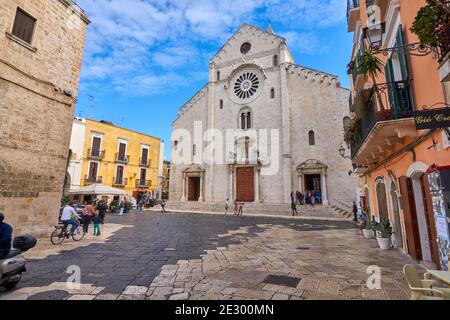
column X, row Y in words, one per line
column 318, row 103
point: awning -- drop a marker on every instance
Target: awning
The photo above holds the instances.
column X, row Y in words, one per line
column 97, row 189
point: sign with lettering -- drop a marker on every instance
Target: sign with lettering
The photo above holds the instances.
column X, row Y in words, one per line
column 432, row 119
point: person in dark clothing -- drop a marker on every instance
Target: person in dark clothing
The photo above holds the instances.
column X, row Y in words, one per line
column 294, row 208
column 5, row 237
column 355, row 211
column 102, row 207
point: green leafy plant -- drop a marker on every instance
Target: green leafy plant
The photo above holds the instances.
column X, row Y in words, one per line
column 425, row 24
column 384, row 229
column 370, row 65
column 64, row 201
column 114, row 205
column 368, row 224
column 128, row 207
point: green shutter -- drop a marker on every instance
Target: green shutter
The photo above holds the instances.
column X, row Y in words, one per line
column 389, row 73
column 403, row 54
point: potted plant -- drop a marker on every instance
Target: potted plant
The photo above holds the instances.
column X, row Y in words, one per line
column 368, row 227
column 384, row 233
column 114, row 206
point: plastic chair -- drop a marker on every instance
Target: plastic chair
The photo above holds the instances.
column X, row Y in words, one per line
column 421, row 289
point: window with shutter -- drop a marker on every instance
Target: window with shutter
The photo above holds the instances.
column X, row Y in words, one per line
column 24, row 25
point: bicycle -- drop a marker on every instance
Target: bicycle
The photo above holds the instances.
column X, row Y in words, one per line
column 60, row 234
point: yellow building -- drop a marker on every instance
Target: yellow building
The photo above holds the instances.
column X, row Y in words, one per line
column 120, row 158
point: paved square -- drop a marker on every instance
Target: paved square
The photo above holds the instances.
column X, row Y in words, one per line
column 182, row 256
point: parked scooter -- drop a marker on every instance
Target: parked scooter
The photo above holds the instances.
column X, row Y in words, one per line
column 13, row 265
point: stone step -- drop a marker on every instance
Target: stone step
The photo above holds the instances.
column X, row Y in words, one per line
column 258, row 208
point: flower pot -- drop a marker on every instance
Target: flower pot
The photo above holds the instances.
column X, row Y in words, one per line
column 368, row 234
column 384, row 243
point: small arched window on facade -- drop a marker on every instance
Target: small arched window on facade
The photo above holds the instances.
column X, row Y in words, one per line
column 272, row 93
column 218, row 76
column 312, row 138
column 175, row 144
column 194, row 150
column 221, row 104
column 246, row 120
column 275, row 61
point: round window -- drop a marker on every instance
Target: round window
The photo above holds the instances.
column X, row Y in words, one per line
column 246, row 85
column 245, row 48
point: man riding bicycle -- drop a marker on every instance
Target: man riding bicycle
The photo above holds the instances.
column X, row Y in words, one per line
column 69, row 216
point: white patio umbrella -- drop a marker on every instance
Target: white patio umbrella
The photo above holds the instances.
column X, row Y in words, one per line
column 98, row 190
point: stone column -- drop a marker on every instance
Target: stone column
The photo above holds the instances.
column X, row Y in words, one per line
column 230, row 183
column 300, row 182
column 256, row 183
column 324, row 188
column 183, row 197
column 200, row 199
column 286, row 167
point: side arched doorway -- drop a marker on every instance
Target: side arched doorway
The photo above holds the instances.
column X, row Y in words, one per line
column 312, row 176
column 382, row 199
column 398, row 235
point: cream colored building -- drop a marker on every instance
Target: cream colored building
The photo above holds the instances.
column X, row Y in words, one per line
column 255, row 85
column 41, row 49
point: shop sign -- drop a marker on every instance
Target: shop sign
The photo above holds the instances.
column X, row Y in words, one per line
column 432, row 119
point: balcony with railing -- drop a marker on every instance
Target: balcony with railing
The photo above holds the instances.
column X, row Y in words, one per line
column 92, row 180
column 120, row 183
column 377, row 129
column 144, row 163
column 95, row 154
column 123, row 159
column 143, row 183
column 353, row 13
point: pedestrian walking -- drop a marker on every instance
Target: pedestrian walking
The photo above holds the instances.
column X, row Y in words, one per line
column 241, row 208
column 88, row 213
column 236, row 207
column 355, row 212
column 97, row 222
column 140, row 205
column 122, row 207
column 227, row 206
column 102, row 208
column 163, row 206
column 294, row 208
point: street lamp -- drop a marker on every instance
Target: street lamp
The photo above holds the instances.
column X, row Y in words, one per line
column 342, row 153
column 374, row 34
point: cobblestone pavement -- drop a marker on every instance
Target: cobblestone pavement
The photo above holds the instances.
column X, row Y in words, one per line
column 195, row 256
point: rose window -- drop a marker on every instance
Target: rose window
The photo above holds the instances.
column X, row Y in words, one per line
column 246, row 85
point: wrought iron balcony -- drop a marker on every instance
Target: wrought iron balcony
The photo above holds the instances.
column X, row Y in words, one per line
column 397, row 101
column 94, row 154
column 143, row 183
column 120, row 183
column 92, row 180
column 144, row 162
column 124, row 159
column 353, row 11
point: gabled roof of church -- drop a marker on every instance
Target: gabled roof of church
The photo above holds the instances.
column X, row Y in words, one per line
column 247, row 25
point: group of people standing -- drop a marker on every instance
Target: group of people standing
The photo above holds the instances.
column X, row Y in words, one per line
column 238, row 207
column 93, row 212
column 311, row 197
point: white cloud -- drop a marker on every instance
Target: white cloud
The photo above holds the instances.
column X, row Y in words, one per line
column 305, row 43
column 145, row 41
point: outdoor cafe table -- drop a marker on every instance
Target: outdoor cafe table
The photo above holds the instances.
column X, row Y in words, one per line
column 444, row 276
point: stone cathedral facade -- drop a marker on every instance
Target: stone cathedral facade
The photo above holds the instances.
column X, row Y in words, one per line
column 286, row 124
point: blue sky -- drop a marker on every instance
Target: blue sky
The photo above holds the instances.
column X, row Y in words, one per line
column 145, row 58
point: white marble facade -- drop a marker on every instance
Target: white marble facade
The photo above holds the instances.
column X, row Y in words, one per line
column 254, row 84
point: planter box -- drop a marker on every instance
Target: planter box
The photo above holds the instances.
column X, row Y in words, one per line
column 368, row 234
column 384, row 243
